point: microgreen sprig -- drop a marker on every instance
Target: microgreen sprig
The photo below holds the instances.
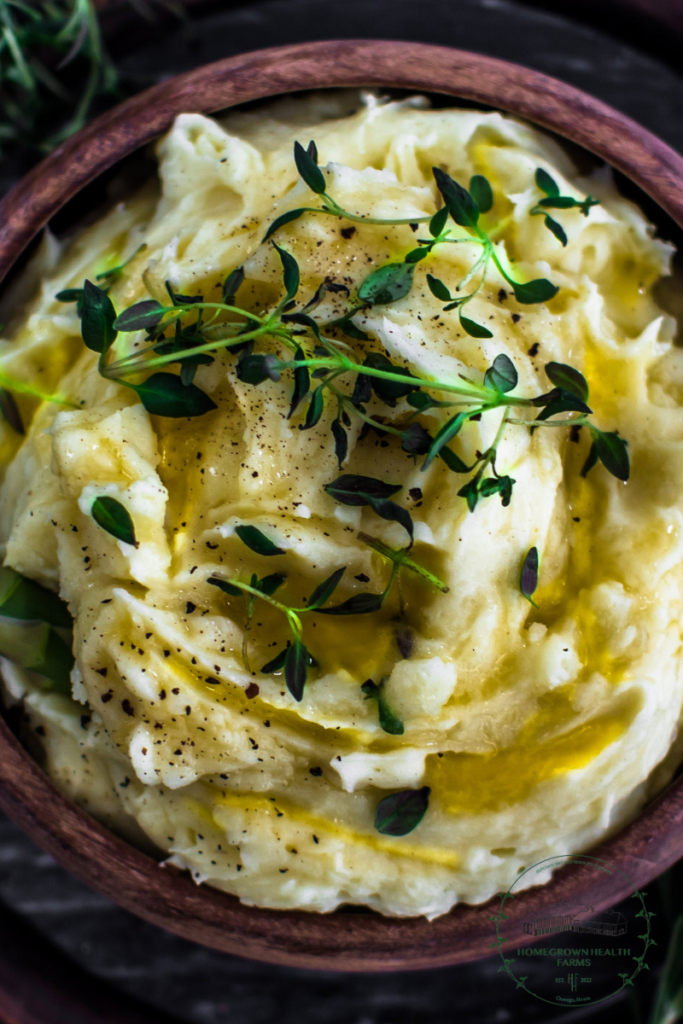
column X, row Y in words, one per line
column 307, row 165
column 553, row 200
column 295, row 658
column 313, row 355
column 394, row 280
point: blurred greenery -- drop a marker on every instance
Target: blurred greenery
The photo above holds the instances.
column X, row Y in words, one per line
column 54, row 66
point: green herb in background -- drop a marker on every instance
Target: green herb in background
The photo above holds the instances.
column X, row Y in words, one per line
column 35, row 629
column 53, row 67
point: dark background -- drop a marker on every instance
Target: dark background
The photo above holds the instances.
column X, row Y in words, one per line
column 69, row 955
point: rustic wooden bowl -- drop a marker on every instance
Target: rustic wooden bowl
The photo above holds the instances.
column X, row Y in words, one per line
column 360, row 940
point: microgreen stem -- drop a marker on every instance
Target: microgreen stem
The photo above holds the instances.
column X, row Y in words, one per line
column 578, row 422
column 130, row 366
column 401, row 559
column 28, row 389
column 291, row 613
column 338, row 211
column 475, row 391
column 347, row 403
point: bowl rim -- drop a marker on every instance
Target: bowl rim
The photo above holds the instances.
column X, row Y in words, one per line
column 350, row 941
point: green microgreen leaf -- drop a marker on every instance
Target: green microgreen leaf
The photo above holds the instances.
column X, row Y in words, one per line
column 567, row 378
column 23, row 598
column 302, row 383
column 389, row 391
column 497, row 485
column 481, row 192
column 591, row 460
column 360, row 490
column 115, row 518
column 140, row 317
column 277, row 663
column 438, row 222
column 461, row 206
column 362, row 390
column 307, row 167
column 562, row 401
column 187, row 373
column 323, row 592
column 438, row 289
column 304, row 319
column 290, row 272
column 559, row 203
column 359, row 604
column 388, row 721
column 296, row 669
column 181, row 300
column 365, row 490
column 556, row 229
column 474, row 329
column 540, row 290
column 279, row 222
column 163, row 394
column 546, row 183
column 10, row 411
column 315, row 408
column 254, row 369
column 528, row 580
column 416, row 440
column 98, row 318
column 400, row 813
column 257, row 541
column 232, row 285
column 269, row 584
column 422, row 402
column 343, row 323
column 394, row 513
column 71, row 295
column 470, row 492
column 415, row 255
column 448, row 431
column 453, row 461
column 612, row 452
column 223, row 585
column 387, row 284
column 341, row 441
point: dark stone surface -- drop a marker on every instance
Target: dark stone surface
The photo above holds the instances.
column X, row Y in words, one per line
column 170, row 979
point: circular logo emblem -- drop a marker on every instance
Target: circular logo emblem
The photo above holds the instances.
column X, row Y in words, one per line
column 576, row 955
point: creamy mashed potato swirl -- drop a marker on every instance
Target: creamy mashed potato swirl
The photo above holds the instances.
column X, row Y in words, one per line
column 539, row 730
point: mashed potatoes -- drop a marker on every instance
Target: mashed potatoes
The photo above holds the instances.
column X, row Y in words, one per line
column 539, row 730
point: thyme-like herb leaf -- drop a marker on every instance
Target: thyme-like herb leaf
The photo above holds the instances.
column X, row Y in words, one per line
column 400, row 813
column 528, row 580
column 114, row 518
column 257, row 541
column 388, row 720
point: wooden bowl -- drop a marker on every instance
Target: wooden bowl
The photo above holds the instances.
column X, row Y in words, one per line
column 359, row 940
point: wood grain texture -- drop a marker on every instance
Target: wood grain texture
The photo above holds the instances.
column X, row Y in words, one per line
column 348, row 941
